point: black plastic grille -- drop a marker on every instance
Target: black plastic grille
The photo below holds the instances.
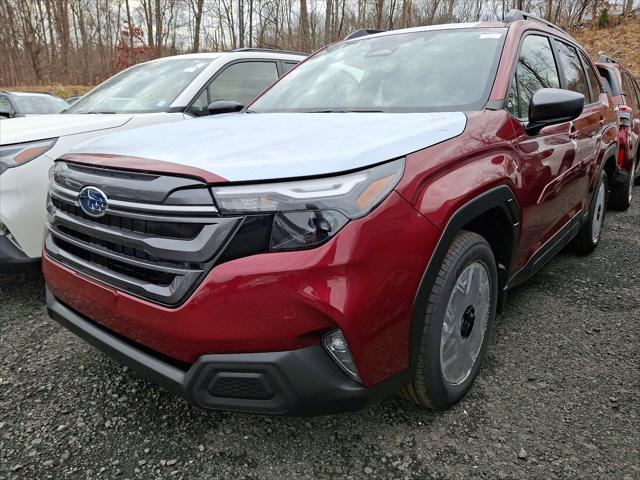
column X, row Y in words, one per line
column 111, row 246
column 230, row 386
column 179, row 230
column 150, row 276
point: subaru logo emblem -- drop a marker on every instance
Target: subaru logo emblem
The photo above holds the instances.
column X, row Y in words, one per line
column 93, row 201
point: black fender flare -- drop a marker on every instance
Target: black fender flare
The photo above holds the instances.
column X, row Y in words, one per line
column 501, row 197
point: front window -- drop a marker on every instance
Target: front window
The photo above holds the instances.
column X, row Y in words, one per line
column 39, row 104
column 146, row 88
column 423, row 71
column 536, row 69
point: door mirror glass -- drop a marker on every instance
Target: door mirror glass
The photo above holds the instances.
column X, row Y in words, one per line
column 550, row 106
column 224, row 106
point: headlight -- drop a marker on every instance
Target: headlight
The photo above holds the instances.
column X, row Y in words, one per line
column 20, row 153
column 309, row 212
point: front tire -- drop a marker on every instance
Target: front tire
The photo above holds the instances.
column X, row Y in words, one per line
column 622, row 193
column 461, row 309
column 589, row 235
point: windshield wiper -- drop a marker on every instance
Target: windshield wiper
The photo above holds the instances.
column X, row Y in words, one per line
column 98, row 112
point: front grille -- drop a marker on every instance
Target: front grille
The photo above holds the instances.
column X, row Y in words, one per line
column 156, row 250
column 162, row 229
column 117, row 266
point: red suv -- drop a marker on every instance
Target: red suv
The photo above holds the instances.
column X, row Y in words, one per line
column 351, row 232
column 625, row 91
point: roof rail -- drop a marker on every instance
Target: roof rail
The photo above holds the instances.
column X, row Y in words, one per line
column 606, row 59
column 273, row 50
column 515, row 15
column 362, row 33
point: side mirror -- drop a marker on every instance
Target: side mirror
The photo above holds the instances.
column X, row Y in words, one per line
column 625, row 119
column 224, row 106
column 550, row 106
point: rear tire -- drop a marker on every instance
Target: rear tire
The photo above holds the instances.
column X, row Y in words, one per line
column 461, row 309
column 622, row 193
column 590, row 233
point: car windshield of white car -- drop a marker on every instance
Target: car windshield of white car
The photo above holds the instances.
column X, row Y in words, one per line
column 411, row 71
column 145, row 88
column 38, row 104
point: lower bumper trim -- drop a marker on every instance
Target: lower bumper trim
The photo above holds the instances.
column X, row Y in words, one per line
column 298, row 382
column 14, row 260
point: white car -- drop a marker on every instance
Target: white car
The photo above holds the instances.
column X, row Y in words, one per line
column 25, row 104
column 163, row 90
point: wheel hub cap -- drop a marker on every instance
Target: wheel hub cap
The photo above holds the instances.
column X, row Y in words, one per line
column 468, row 319
column 632, row 179
column 465, row 323
column 598, row 214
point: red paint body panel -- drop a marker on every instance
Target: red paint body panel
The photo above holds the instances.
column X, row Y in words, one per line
column 363, row 281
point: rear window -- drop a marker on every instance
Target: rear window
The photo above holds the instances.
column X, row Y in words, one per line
column 610, row 84
column 591, row 76
column 572, row 68
column 39, row 104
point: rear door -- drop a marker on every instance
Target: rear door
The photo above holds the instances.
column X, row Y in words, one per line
column 587, row 129
column 632, row 94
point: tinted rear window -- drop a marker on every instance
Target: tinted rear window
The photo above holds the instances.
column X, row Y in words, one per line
column 607, row 74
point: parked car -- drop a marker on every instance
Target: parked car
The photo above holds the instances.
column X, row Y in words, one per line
column 353, row 231
column 625, row 90
column 25, row 104
column 164, row 90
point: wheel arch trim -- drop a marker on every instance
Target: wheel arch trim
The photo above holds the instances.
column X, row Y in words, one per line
column 501, row 197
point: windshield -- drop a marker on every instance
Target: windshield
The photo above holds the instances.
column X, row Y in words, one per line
column 39, row 104
column 439, row 70
column 146, row 88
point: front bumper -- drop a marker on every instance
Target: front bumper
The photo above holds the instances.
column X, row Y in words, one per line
column 23, row 194
column 14, row 260
column 297, row 382
column 363, row 281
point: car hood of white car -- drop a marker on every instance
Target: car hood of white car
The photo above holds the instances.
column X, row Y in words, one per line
column 266, row 146
column 40, row 127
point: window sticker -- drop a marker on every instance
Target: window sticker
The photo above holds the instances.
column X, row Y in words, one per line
column 490, row 35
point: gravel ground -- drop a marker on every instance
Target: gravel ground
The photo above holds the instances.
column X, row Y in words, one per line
column 558, row 398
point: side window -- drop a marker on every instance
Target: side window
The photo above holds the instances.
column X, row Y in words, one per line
column 199, row 106
column 572, row 68
column 592, row 78
column 242, row 82
column 5, row 105
column 609, row 79
column 286, row 66
column 632, row 95
column 536, row 69
column 637, row 85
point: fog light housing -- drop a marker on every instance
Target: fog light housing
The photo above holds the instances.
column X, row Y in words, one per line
column 336, row 345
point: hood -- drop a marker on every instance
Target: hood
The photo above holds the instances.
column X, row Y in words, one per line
column 39, row 127
column 267, row 146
